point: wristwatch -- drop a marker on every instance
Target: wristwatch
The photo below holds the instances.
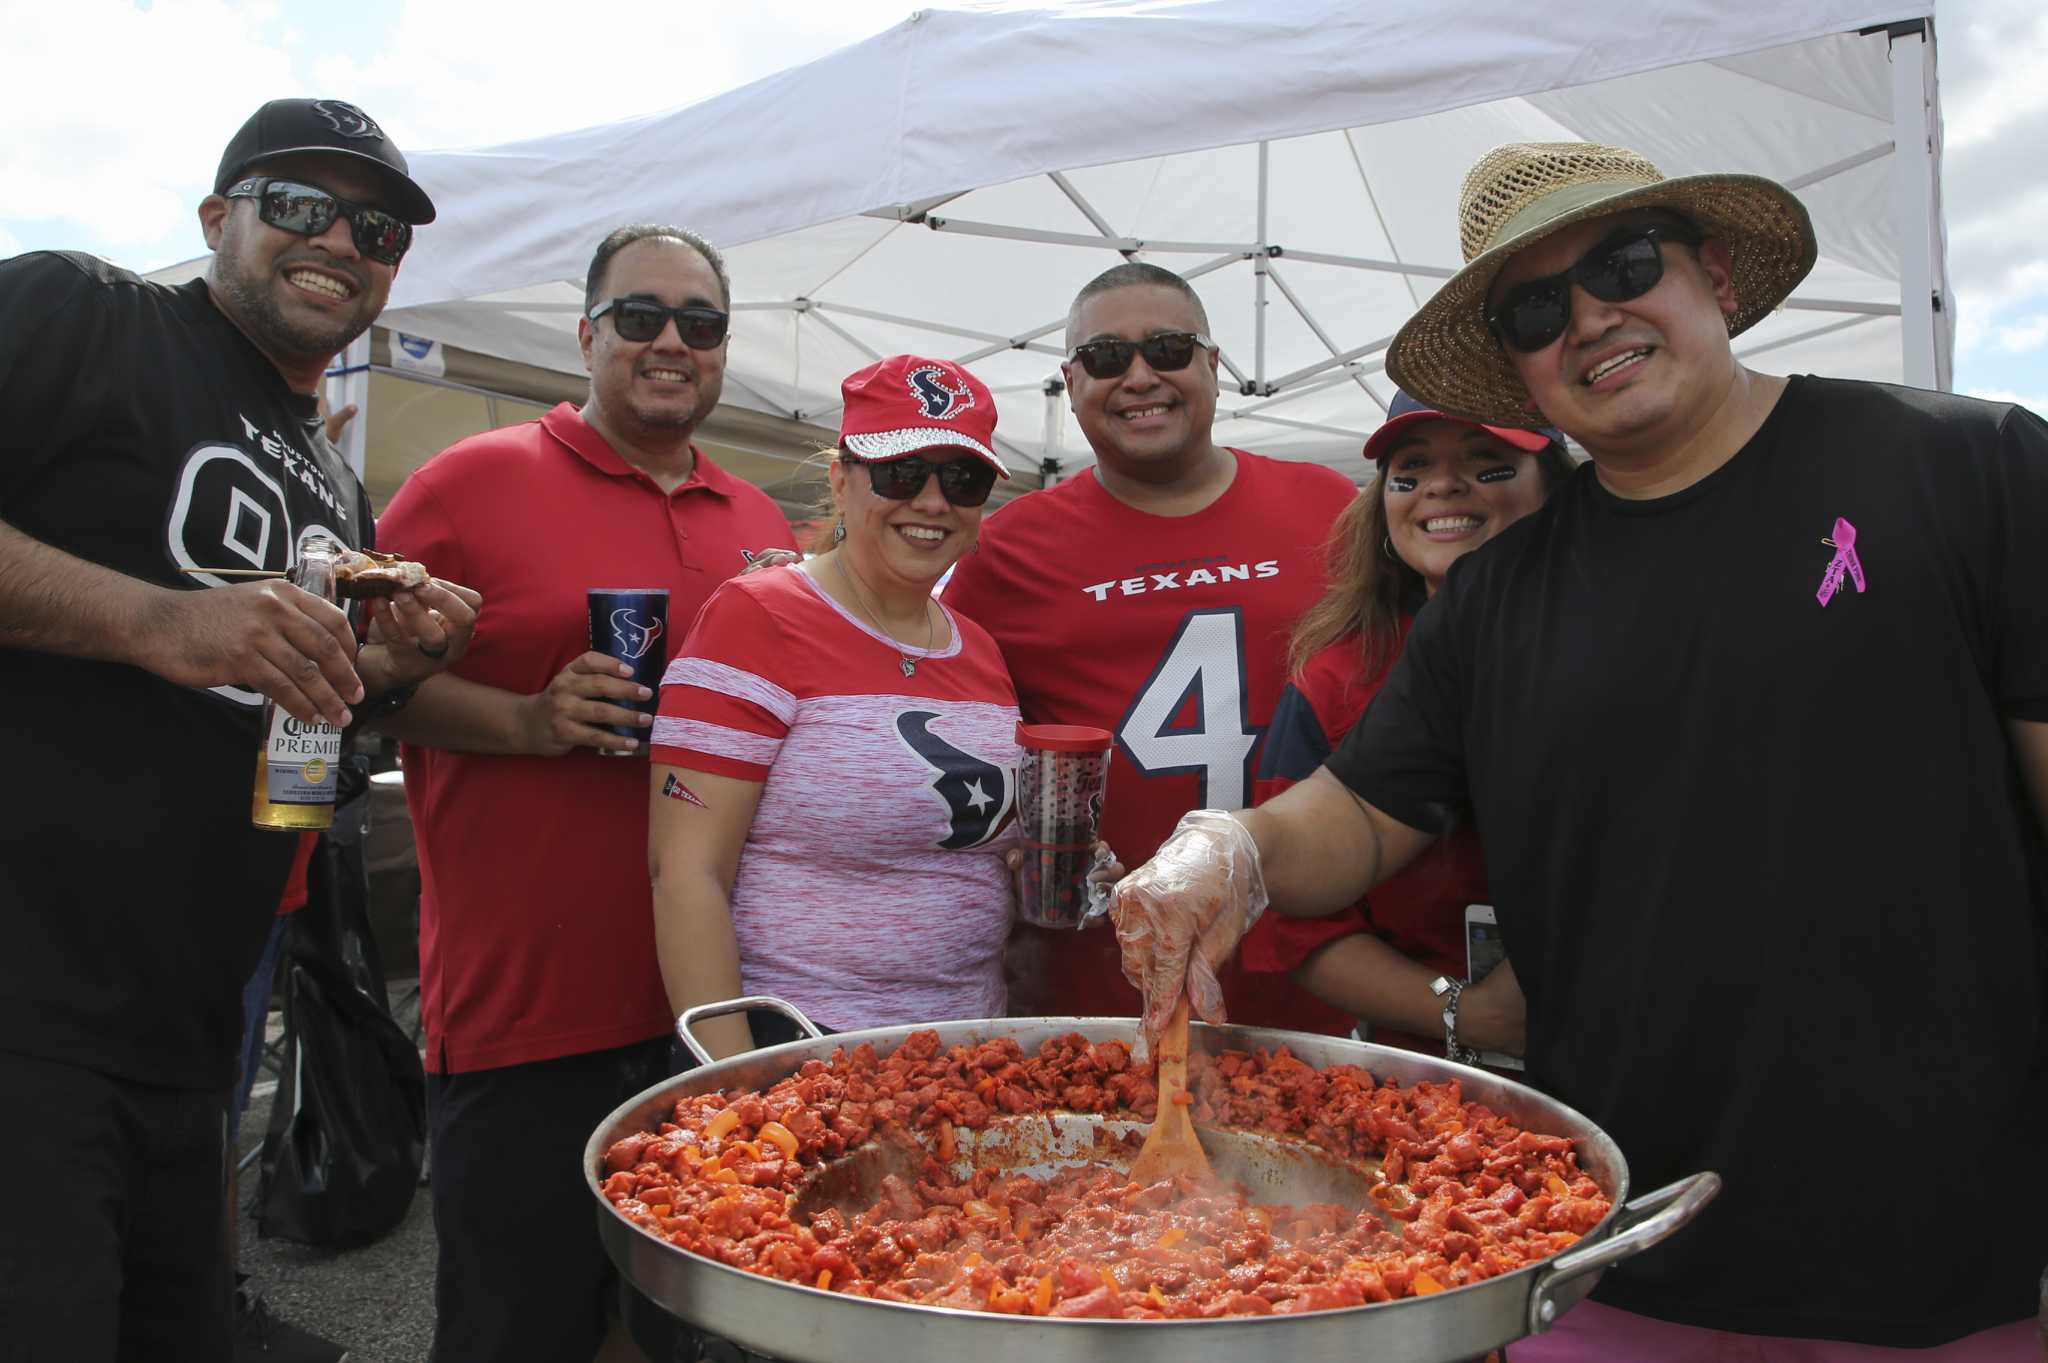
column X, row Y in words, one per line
column 1450, row 990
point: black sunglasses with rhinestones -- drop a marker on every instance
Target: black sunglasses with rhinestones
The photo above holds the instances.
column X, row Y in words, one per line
column 309, row 211
column 641, row 319
column 965, row 481
column 1624, row 265
column 1164, row 352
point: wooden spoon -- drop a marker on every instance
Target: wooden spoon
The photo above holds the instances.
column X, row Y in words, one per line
column 1170, row 1146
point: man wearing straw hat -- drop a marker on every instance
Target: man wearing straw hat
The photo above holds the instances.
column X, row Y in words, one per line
column 1754, row 717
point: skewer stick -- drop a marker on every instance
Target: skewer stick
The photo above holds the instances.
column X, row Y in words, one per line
column 237, row 572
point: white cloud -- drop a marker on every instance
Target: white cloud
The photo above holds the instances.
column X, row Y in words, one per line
column 118, row 152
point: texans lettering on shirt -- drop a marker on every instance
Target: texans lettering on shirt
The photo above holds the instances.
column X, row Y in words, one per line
column 1209, row 573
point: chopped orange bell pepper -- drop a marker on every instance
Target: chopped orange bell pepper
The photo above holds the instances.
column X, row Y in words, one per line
column 1424, row 1285
column 824, row 1280
column 781, row 1137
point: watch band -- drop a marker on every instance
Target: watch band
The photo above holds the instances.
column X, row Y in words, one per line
column 1450, row 991
column 386, row 704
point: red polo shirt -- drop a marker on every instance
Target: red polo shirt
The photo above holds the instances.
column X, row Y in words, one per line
column 536, row 917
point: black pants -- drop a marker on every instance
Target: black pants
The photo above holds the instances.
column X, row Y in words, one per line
column 113, row 1216
column 522, row 1276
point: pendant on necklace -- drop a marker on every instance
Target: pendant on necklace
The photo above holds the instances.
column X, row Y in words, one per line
column 909, row 667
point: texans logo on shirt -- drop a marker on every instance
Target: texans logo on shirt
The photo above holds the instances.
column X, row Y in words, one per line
column 346, row 118
column 942, row 396
column 977, row 793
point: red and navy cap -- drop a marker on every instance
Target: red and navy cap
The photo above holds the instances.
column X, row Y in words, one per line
column 1405, row 411
column 331, row 127
column 906, row 403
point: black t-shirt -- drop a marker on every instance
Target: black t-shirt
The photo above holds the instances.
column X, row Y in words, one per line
column 144, row 432
column 1764, row 866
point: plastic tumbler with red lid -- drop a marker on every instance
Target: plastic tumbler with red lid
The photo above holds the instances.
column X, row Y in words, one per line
column 1061, row 779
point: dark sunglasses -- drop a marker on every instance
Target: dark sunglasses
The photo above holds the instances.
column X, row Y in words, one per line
column 1164, row 353
column 641, row 319
column 965, row 481
column 1623, row 266
column 292, row 207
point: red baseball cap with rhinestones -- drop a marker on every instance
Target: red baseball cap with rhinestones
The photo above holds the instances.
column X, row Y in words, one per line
column 906, row 404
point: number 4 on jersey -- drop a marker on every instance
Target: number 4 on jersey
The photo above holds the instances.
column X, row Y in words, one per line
column 1192, row 715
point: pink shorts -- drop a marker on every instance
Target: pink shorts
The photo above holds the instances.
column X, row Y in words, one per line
column 1592, row 1333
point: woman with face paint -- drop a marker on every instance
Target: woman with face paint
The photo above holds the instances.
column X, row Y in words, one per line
column 1445, row 487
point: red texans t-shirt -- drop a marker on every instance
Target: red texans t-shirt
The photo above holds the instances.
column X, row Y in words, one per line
column 1171, row 633
column 871, row 891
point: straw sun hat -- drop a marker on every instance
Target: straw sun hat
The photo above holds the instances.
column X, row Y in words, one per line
column 1518, row 194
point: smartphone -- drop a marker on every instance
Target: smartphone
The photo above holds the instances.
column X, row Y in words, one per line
column 1483, row 951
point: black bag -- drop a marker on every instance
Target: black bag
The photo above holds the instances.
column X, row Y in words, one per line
column 347, row 1135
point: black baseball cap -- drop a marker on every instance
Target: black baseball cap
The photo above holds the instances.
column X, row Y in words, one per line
column 330, row 126
column 1405, row 410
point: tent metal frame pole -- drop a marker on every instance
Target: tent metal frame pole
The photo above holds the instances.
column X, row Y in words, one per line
column 1080, row 201
column 1346, row 432
column 1834, row 168
column 1367, row 263
column 1338, row 361
column 1843, row 325
column 942, row 328
column 1839, row 305
column 1913, row 188
column 349, row 382
column 1259, row 279
column 1273, row 270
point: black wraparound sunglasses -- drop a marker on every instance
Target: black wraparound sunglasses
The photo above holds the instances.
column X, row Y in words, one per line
column 965, row 481
column 309, row 210
column 641, row 319
column 1164, row 352
column 1625, row 265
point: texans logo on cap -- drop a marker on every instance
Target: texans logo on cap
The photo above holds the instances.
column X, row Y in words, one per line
column 346, row 118
column 942, row 396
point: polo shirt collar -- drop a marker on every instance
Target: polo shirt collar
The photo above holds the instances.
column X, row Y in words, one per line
column 566, row 424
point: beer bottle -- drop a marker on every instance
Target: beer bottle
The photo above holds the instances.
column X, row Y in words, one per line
column 296, row 763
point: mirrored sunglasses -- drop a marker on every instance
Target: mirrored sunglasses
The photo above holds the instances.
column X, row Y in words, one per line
column 1623, row 266
column 965, row 481
column 642, row 319
column 307, row 210
column 1164, row 353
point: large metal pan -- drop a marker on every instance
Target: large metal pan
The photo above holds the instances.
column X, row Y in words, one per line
column 801, row 1324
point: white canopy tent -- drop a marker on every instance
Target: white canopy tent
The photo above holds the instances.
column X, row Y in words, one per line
column 946, row 186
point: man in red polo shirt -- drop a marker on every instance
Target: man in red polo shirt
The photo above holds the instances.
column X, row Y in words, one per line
column 539, row 990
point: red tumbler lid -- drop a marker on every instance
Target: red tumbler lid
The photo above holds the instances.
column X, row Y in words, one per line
column 1062, row 738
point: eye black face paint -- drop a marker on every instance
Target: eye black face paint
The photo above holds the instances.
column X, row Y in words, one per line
column 1499, row 475
column 1399, row 484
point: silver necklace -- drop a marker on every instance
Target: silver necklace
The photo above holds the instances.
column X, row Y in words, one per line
column 903, row 660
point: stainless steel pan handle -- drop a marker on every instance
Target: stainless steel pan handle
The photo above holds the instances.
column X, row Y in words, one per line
column 719, row 1010
column 1638, row 1225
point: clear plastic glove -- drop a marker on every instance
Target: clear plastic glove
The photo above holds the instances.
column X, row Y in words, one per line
column 1180, row 915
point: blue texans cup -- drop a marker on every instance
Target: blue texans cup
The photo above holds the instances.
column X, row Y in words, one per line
column 628, row 623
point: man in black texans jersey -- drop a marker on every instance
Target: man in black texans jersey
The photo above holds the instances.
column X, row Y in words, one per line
column 153, row 429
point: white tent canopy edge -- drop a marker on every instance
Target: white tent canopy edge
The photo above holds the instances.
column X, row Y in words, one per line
column 1211, row 136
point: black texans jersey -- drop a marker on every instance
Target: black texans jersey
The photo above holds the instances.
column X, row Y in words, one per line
column 145, row 433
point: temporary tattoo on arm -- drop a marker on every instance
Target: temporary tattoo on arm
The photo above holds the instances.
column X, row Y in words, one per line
column 676, row 790
column 1498, row 475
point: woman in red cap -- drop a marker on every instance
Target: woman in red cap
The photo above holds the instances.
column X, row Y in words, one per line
column 1445, row 487
column 835, row 750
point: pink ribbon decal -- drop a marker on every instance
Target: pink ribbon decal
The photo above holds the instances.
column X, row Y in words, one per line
column 1844, row 561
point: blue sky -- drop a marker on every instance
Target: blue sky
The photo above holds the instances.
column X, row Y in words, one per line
column 113, row 156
